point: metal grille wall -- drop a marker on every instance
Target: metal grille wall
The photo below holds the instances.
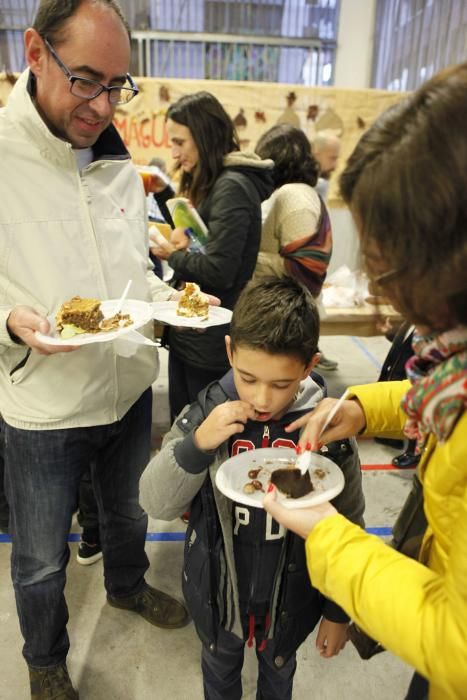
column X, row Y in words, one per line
column 290, row 41
column 15, row 16
column 416, row 38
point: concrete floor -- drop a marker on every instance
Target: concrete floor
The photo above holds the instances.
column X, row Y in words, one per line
column 116, row 655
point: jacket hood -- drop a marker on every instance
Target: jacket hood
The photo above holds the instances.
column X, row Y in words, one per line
column 258, row 170
column 247, row 159
column 308, row 395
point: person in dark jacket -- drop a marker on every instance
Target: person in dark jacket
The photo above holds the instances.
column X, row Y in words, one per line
column 394, row 369
column 244, row 577
column 227, row 187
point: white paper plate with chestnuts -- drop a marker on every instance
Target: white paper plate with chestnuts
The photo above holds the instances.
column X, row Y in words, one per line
column 245, row 478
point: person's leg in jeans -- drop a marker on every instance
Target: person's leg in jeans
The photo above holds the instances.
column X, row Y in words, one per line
column 88, row 514
column 122, row 455
column 274, row 682
column 222, row 670
column 123, row 451
column 4, row 508
column 43, row 470
column 89, row 550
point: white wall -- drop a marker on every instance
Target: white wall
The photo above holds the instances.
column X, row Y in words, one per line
column 345, row 246
column 355, row 44
column 353, row 70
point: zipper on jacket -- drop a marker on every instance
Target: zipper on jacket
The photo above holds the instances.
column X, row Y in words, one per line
column 265, row 439
column 255, row 568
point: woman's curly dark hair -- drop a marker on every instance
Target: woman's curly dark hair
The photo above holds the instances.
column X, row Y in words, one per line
column 290, row 150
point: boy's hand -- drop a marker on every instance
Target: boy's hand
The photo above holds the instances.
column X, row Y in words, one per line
column 348, row 421
column 224, row 421
column 332, row 637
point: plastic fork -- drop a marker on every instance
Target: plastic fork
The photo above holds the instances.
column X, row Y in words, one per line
column 121, row 301
column 304, row 459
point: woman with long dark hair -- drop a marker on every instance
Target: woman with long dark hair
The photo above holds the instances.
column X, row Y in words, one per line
column 226, row 186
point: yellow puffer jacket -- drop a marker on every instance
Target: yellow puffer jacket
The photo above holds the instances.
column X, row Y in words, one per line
column 417, row 611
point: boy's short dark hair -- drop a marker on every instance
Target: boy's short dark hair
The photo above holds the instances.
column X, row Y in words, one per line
column 278, row 316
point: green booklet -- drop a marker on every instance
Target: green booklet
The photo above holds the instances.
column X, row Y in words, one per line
column 184, row 215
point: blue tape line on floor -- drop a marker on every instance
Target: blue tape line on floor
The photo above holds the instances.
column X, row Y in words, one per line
column 380, row 531
column 180, row 536
column 374, row 360
column 165, row 536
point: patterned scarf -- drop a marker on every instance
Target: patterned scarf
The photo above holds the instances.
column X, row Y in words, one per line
column 438, row 395
column 307, row 258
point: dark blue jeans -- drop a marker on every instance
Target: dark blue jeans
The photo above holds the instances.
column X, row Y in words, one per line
column 43, row 469
column 4, row 509
column 88, row 512
column 222, row 671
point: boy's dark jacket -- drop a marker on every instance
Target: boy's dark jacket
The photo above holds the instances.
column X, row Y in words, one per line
column 181, row 477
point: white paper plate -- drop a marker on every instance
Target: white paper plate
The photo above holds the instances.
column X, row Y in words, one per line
column 233, row 475
column 140, row 311
column 166, row 311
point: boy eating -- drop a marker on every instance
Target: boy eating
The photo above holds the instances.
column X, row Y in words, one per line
column 245, row 578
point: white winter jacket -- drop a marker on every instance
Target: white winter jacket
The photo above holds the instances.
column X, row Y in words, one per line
column 65, row 233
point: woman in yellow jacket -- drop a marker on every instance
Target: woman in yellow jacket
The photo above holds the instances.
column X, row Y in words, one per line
column 406, row 184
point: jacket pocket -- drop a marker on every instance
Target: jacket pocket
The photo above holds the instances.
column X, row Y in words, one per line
column 200, row 582
column 21, row 367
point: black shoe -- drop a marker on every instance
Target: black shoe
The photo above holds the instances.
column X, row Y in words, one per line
column 406, row 460
column 366, row 646
column 88, row 553
column 51, row 684
column 156, row 607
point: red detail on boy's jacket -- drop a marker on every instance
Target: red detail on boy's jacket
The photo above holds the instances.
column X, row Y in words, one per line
column 242, row 445
column 251, row 630
column 267, row 624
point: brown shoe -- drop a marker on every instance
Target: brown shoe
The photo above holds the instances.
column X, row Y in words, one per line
column 156, row 607
column 51, row 683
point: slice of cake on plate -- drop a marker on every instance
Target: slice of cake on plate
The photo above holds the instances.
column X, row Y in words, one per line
column 193, row 302
column 79, row 315
column 292, row 482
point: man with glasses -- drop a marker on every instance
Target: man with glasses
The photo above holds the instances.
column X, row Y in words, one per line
column 72, row 223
